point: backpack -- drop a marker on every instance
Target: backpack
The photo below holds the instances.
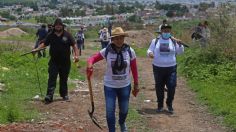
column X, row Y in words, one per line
column 109, row 48
column 79, row 36
column 104, row 36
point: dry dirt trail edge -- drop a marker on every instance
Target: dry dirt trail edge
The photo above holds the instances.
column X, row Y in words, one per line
column 189, row 116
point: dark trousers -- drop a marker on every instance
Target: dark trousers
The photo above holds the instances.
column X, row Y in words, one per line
column 104, row 44
column 80, row 46
column 165, row 76
column 53, row 71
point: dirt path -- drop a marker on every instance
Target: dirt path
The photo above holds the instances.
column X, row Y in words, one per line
column 72, row 116
column 189, row 116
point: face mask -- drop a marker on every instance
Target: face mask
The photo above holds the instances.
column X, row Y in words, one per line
column 166, row 35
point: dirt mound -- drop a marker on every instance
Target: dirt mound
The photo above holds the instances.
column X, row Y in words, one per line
column 141, row 38
column 12, row 32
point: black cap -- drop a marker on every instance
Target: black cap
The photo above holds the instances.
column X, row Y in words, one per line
column 58, row 21
column 43, row 26
column 165, row 26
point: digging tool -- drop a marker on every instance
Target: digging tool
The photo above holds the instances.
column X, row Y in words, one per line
column 92, row 104
column 36, row 67
column 33, row 51
column 185, row 45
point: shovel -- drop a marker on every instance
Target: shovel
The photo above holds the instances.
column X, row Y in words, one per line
column 92, row 104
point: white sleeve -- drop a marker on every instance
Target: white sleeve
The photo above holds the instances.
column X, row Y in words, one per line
column 76, row 35
column 160, row 28
column 179, row 49
column 102, row 52
column 100, row 36
column 151, row 47
column 132, row 53
column 83, row 36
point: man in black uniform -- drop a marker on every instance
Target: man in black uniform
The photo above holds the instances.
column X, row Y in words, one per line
column 59, row 63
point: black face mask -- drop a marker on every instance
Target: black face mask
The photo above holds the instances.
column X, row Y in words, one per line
column 119, row 63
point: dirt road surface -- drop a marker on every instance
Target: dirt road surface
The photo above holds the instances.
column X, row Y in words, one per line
column 72, row 116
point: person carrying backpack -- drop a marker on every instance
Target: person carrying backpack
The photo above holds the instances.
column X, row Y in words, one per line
column 163, row 50
column 41, row 34
column 197, row 34
column 80, row 40
column 120, row 59
column 205, row 34
column 104, row 38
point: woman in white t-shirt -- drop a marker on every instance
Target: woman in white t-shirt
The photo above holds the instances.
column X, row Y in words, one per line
column 120, row 59
column 163, row 50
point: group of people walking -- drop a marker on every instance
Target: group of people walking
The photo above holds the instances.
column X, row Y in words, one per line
column 121, row 62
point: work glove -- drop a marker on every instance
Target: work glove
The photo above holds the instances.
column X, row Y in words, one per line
column 89, row 72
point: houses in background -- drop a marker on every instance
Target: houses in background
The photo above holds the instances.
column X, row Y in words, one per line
column 98, row 20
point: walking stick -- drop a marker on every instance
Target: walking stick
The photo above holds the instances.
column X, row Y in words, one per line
column 92, row 104
column 36, row 67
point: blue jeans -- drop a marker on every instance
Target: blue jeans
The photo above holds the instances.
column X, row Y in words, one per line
column 123, row 95
column 165, row 76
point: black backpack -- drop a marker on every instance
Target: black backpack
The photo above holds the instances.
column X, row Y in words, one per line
column 109, row 49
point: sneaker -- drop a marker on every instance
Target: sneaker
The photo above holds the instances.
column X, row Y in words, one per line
column 123, row 128
column 48, row 99
column 65, row 98
column 159, row 109
column 170, row 109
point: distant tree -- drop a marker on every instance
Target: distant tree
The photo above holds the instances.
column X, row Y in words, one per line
column 79, row 12
column 66, row 12
column 67, row 22
column 90, row 7
column 41, row 19
column 157, row 5
column 34, row 7
column 195, row 6
column 44, row 19
column 108, row 9
column 121, row 8
column 12, row 18
column 7, row 14
column 54, row 2
column 203, row 6
column 170, row 14
column 138, row 5
column 212, row 4
column 174, row 9
column 134, row 18
column 100, row 11
column 19, row 10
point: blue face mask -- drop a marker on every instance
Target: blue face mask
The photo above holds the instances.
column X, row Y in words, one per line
column 166, row 35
